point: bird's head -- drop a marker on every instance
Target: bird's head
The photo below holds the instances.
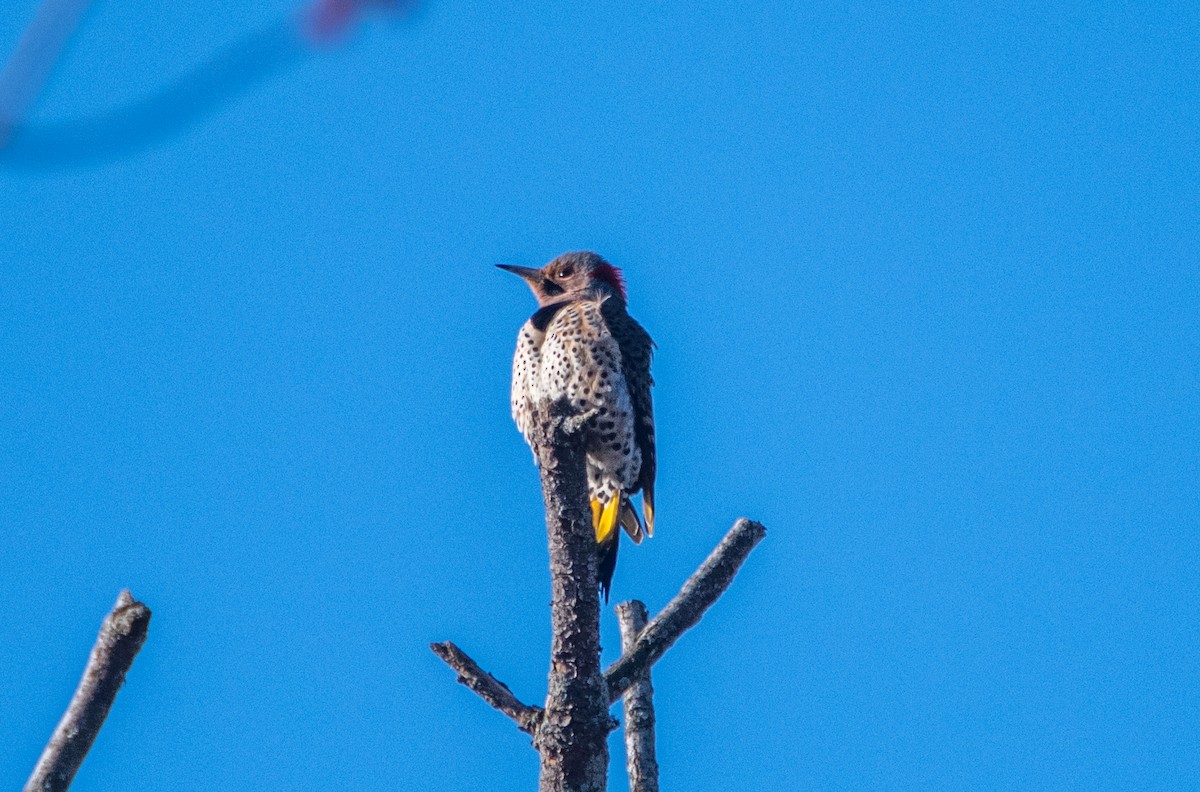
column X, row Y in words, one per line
column 572, row 276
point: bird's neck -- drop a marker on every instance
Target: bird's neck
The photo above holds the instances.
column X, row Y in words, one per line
column 600, row 292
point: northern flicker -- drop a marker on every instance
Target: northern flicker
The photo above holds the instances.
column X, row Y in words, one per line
column 583, row 346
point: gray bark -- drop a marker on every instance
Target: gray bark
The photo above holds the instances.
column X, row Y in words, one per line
column 121, row 636
column 640, row 761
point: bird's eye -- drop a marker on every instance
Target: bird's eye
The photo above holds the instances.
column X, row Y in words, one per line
column 566, row 272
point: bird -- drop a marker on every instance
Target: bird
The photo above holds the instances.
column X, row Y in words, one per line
column 582, row 345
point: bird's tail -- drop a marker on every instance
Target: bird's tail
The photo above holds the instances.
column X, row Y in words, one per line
column 608, row 563
column 605, row 519
column 618, row 511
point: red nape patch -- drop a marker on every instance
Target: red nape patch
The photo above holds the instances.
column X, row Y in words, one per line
column 612, row 276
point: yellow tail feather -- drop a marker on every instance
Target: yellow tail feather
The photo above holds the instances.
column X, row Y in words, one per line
column 608, row 519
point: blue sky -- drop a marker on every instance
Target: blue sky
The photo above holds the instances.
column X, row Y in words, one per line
column 924, row 284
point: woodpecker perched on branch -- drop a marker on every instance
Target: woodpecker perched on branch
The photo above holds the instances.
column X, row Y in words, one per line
column 581, row 345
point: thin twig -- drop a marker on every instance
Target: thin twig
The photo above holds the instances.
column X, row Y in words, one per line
column 700, row 591
column 640, row 761
column 121, row 636
column 490, row 689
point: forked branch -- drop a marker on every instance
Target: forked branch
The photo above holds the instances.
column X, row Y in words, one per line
column 698, row 594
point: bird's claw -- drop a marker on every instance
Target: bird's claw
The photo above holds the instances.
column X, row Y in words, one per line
column 572, row 424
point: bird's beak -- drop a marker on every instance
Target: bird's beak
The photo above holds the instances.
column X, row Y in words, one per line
column 532, row 275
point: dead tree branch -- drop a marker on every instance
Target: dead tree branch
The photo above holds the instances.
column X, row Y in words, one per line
column 573, row 736
column 570, row 733
column 121, row 636
column 699, row 592
column 490, row 689
column 574, row 740
column 640, row 761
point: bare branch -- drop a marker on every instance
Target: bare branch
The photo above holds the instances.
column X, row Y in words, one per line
column 640, row 761
column 699, row 592
column 121, row 636
column 490, row 689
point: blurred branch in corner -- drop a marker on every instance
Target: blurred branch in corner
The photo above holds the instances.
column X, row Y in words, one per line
column 171, row 109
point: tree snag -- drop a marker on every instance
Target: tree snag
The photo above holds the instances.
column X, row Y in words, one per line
column 572, row 738
column 570, row 733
